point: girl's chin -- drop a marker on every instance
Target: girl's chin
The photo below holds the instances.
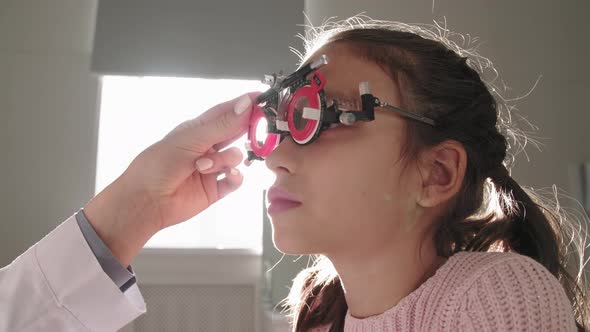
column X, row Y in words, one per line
column 288, row 234
column 289, row 246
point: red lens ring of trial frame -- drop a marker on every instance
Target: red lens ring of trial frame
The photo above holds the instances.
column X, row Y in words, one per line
column 272, row 140
column 311, row 92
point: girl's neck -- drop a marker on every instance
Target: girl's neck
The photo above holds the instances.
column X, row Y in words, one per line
column 375, row 283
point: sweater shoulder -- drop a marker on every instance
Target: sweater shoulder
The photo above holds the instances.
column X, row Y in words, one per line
column 464, row 268
column 440, row 294
column 471, row 267
column 506, row 290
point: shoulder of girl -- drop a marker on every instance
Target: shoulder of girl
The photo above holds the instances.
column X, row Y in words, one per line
column 473, row 267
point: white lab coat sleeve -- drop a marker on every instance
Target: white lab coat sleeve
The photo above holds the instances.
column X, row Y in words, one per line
column 58, row 285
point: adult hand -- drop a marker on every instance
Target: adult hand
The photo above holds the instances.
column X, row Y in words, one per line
column 164, row 186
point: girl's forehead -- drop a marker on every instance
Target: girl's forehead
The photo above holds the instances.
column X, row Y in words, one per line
column 340, row 59
column 345, row 70
column 346, row 67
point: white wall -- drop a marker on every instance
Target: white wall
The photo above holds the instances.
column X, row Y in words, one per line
column 48, row 112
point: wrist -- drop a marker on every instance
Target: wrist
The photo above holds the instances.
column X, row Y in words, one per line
column 123, row 219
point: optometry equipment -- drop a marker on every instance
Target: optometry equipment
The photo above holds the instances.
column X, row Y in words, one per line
column 296, row 105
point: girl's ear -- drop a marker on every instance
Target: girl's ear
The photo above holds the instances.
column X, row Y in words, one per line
column 442, row 168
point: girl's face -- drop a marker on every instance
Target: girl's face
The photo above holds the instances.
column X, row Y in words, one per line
column 355, row 197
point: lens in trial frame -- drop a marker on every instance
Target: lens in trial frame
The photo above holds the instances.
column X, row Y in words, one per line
column 261, row 131
column 305, row 111
column 260, row 141
column 298, row 107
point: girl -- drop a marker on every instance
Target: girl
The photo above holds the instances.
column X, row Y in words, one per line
column 417, row 227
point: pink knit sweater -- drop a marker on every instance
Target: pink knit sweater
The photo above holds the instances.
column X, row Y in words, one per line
column 478, row 291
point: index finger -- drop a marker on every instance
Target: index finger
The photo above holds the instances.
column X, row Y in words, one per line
column 225, row 143
column 219, row 109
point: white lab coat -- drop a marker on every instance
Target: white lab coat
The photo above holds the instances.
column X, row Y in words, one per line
column 58, row 285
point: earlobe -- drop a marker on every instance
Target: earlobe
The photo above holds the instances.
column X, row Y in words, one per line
column 443, row 170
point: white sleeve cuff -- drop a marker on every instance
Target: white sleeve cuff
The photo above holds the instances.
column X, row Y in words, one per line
column 80, row 284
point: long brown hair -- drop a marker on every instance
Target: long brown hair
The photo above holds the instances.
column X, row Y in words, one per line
column 492, row 212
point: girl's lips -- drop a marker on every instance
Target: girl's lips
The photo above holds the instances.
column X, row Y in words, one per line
column 280, row 205
column 276, row 193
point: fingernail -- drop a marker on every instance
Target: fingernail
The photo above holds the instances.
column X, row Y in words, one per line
column 242, row 105
column 204, row 164
column 234, row 171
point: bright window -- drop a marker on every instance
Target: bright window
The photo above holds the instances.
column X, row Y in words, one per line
column 135, row 112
